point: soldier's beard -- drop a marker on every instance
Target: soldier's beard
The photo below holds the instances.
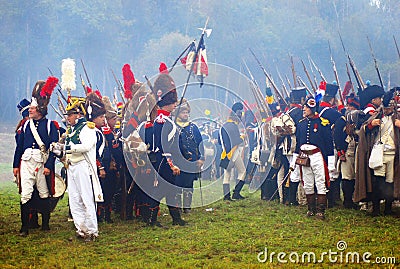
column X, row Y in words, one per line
column 183, row 120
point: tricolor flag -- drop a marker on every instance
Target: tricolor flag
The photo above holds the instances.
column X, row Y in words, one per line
column 200, row 68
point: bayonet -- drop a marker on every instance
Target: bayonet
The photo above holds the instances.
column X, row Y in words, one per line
column 314, row 88
column 336, row 73
column 86, row 75
column 270, row 80
column 376, row 63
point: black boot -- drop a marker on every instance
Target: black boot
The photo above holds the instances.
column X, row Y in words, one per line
column 331, row 195
column 236, row 192
column 293, row 193
column 286, row 195
column 107, row 214
column 321, row 206
column 153, row 217
column 176, row 216
column 33, row 219
column 389, row 192
column 311, row 205
column 145, row 213
column 348, row 190
column 187, row 201
column 376, row 195
column 227, row 192
column 24, row 219
column 45, row 208
column 100, row 212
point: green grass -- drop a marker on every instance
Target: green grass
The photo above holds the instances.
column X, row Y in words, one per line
column 230, row 236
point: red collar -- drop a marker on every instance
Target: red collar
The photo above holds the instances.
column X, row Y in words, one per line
column 324, row 104
column 296, row 105
column 163, row 112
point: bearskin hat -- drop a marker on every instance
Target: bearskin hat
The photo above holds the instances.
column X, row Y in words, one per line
column 94, row 106
column 23, row 107
column 41, row 94
column 165, row 90
column 111, row 112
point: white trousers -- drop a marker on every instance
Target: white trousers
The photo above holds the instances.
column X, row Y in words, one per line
column 295, row 175
column 81, row 199
column 238, row 164
column 314, row 175
column 32, row 173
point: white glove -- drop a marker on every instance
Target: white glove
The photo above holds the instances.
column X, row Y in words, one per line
column 57, row 148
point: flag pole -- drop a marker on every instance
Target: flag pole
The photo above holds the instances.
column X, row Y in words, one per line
column 193, row 63
column 183, row 52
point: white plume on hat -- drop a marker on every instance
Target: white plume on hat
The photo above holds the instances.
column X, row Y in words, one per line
column 68, row 74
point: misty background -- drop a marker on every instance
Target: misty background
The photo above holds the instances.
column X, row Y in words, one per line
column 37, row 35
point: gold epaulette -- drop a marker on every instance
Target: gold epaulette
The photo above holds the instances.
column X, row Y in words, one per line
column 324, row 121
column 90, row 124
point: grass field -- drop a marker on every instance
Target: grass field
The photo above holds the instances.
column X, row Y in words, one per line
column 230, row 236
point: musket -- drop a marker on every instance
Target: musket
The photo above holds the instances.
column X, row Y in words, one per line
column 318, row 70
column 180, row 55
column 62, row 110
column 293, row 71
column 300, row 80
column 86, row 75
column 57, row 112
column 397, row 47
column 376, row 63
column 312, row 70
column 360, row 83
column 349, row 76
column 270, row 80
column 119, row 85
column 308, row 76
column 336, row 73
column 59, row 86
column 84, row 85
column 288, row 81
column 149, row 83
column 257, row 92
column 286, row 91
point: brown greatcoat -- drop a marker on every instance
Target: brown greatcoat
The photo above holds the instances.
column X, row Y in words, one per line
column 364, row 174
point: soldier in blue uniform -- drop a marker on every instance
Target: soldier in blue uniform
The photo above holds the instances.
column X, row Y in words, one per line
column 315, row 143
column 166, row 147
column 33, row 163
column 296, row 190
column 191, row 148
column 330, row 115
column 23, row 107
column 231, row 157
